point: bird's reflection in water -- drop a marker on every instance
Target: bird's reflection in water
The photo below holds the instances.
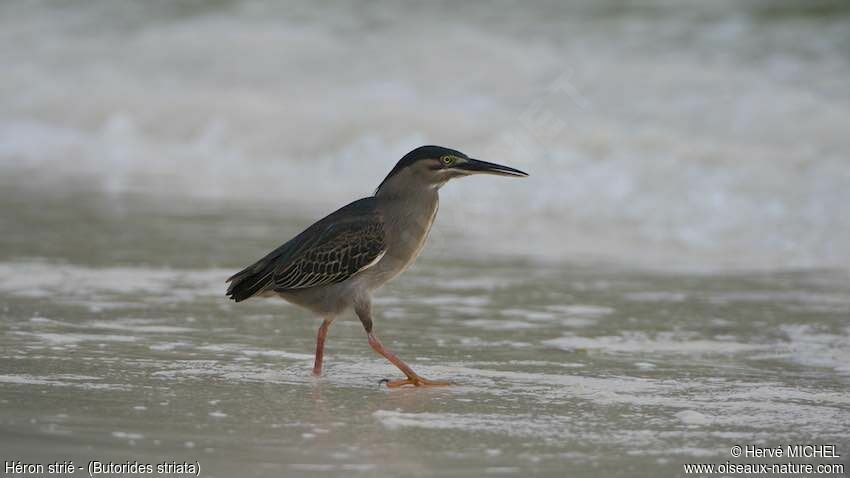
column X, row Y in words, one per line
column 331, row 435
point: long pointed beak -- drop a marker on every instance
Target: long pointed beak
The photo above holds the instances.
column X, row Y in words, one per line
column 476, row 166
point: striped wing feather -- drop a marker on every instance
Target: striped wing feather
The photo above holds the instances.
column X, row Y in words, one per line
column 339, row 253
column 330, row 251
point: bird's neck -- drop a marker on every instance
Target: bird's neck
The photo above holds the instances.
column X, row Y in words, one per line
column 407, row 216
column 409, row 206
column 410, row 210
column 413, row 201
column 403, row 192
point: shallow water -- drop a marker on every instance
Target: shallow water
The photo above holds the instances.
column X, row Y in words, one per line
column 591, row 368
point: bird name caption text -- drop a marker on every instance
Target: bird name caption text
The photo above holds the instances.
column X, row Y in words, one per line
column 100, row 468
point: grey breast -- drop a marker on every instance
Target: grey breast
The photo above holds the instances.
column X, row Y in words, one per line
column 407, row 222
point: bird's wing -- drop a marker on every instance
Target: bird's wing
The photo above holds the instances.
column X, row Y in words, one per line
column 333, row 254
column 331, row 250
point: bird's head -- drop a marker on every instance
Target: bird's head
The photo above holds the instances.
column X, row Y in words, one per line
column 433, row 166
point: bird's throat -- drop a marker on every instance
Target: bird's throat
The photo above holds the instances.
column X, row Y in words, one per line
column 408, row 219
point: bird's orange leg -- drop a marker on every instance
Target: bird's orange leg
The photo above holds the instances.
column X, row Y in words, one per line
column 363, row 308
column 412, row 377
column 320, row 347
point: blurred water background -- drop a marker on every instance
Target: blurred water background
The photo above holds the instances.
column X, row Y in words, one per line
column 671, row 279
column 709, row 133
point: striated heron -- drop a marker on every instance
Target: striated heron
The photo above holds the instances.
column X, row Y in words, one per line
column 337, row 262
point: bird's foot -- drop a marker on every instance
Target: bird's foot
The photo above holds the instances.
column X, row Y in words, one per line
column 416, row 381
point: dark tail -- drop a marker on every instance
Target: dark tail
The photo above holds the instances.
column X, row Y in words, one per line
column 250, row 281
column 259, row 276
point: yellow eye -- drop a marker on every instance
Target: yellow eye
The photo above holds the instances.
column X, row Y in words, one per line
column 447, row 160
